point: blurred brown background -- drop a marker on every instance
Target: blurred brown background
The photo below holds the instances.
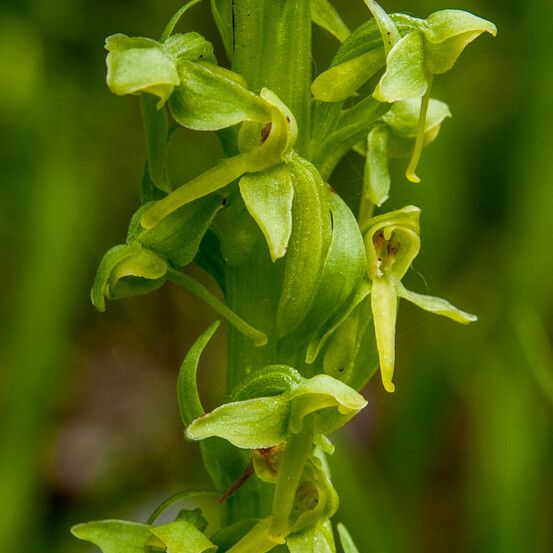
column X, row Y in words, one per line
column 458, row 459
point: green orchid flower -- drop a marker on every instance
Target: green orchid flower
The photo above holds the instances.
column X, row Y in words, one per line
column 431, row 48
column 392, row 242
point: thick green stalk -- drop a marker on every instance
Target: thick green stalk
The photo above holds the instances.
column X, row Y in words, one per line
column 272, row 49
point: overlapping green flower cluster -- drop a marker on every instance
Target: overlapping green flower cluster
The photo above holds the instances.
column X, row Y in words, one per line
column 337, row 277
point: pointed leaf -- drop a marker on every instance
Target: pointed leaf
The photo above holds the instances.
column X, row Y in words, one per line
column 210, row 98
column 268, row 197
column 156, row 129
column 343, row 80
column 305, row 257
column 324, row 14
column 344, row 267
column 376, row 179
column 436, row 305
column 190, row 405
column 170, row 27
column 346, row 540
column 405, row 75
column 115, row 536
column 448, row 33
column 388, row 30
column 183, row 537
column 384, row 308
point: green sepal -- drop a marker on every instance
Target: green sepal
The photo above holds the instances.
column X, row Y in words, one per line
column 405, row 75
column 115, row 536
column 344, row 80
column 267, row 421
column 376, row 177
column 346, row 541
column 190, row 405
column 268, row 196
column 447, row 34
column 138, row 65
column 127, row 270
column 181, row 536
column 178, row 236
column 325, row 15
column 315, row 539
column 438, row 306
column 210, row 98
column 250, row 424
column 306, row 248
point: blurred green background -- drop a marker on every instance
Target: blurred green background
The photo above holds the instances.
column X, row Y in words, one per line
column 459, row 459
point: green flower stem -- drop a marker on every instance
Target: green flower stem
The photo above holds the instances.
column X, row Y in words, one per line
column 295, row 456
column 204, row 294
column 419, row 144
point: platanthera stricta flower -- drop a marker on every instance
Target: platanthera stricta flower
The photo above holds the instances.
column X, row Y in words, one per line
column 392, row 242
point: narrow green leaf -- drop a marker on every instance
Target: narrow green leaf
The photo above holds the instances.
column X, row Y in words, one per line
column 210, row 98
column 448, row 33
column 305, row 257
column 384, row 308
column 190, row 405
column 343, row 80
column 183, row 537
column 156, row 129
column 376, row 179
column 436, row 305
column 115, row 536
column 405, row 75
column 325, row 15
column 268, row 196
column 223, row 16
column 344, row 267
column 346, row 540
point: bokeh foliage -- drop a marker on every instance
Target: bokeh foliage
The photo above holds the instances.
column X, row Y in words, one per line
column 458, row 459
